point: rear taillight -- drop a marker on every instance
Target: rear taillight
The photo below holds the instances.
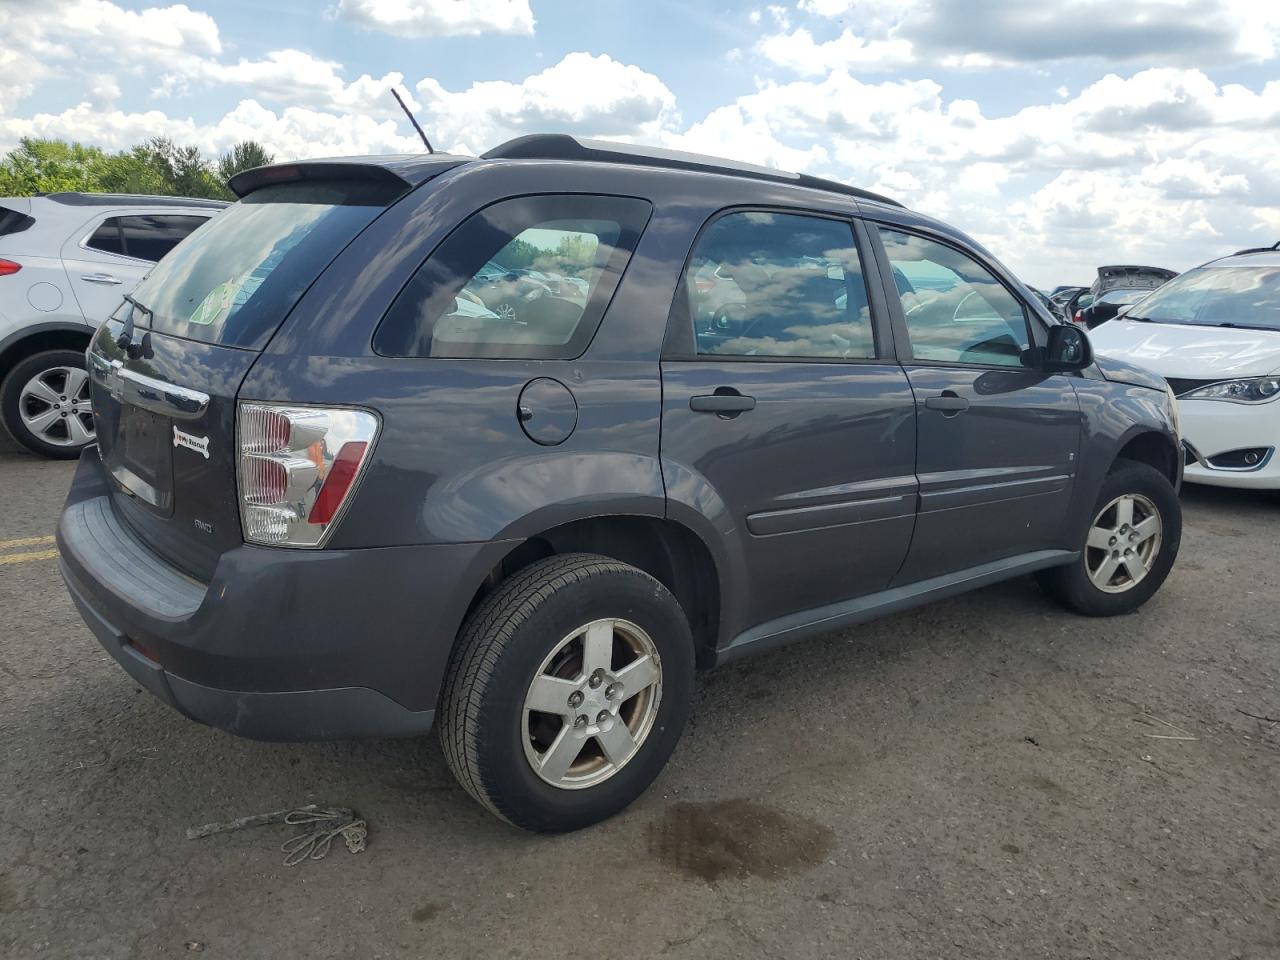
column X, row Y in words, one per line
column 8, row 266
column 1078, row 318
column 704, row 286
column 298, row 466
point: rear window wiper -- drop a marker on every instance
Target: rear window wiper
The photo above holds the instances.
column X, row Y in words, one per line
column 125, row 340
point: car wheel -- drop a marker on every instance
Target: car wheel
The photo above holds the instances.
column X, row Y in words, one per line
column 506, row 311
column 45, row 404
column 567, row 692
column 1128, row 549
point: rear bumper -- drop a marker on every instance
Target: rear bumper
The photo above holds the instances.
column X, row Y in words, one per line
column 280, row 644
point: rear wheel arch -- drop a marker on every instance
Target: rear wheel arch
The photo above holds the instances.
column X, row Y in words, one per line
column 668, row 551
column 38, row 338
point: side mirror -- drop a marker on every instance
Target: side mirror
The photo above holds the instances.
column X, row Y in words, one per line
column 1068, row 349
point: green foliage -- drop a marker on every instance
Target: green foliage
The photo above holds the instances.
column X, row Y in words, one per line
column 243, row 156
column 158, row 167
column 518, row 254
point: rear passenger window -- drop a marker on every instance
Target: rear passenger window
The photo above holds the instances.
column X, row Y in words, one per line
column 147, row 237
column 151, row 237
column 524, row 278
column 107, row 237
column 779, row 285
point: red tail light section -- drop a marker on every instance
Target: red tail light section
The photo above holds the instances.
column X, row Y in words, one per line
column 8, row 267
column 336, row 485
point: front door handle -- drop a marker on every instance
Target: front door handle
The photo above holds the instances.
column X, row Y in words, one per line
column 730, row 403
column 101, row 278
column 948, row 403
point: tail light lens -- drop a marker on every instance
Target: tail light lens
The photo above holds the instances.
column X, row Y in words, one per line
column 8, row 266
column 1078, row 318
column 298, row 466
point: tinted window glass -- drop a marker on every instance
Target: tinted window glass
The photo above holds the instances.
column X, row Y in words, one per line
column 240, row 275
column 1240, row 295
column 107, row 237
column 11, row 221
column 528, row 277
column 151, row 237
column 956, row 310
column 779, row 285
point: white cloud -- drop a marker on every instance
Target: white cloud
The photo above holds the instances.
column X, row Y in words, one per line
column 799, row 52
column 982, row 34
column 583, row 94
column 293, row 77
column 439, row 18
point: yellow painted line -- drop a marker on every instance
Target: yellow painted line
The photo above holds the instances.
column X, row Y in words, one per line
column 24, row 557
column 24, row 542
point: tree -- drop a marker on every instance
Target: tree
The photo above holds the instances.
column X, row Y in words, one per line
column 47, row 166
column 158, row 167
column 245, row 155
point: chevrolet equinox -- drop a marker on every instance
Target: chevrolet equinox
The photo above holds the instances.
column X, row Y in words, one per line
column 513, row 444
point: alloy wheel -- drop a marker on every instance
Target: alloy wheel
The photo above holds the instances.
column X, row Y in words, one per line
column 54, row 406
column 1123, row 543
column 592, row 703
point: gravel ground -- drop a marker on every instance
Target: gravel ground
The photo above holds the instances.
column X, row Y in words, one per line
column 978, row 778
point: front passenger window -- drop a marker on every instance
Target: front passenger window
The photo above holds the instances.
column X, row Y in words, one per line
column 775, row 285
column 956, row 310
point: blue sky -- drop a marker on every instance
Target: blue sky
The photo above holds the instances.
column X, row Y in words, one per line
column 1062, row 134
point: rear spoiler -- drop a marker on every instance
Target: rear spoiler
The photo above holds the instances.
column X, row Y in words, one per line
column 402, row 172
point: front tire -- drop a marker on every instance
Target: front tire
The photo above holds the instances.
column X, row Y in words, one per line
column 1128, row 548
column 44, row 403
column 567, row 692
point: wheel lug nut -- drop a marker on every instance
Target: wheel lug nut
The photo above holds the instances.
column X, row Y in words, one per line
column 612, row 690
column 575, row 698
column 580, row 722
column 603, row 716
column 1113, row 541
column 595, row 680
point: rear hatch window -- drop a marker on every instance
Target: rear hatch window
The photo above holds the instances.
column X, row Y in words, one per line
column 233, row 281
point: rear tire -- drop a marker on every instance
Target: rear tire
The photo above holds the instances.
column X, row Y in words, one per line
column 1126, row 550
column 567, row 692
column 29, row 394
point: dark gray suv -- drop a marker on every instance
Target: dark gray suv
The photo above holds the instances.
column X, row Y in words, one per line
column 335, row 493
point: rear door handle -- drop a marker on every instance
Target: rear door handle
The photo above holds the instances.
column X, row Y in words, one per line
column 948, row 403
column 722, row 403
column 101, row 278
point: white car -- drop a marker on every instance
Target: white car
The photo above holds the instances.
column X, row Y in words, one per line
column 66, row 262
column 1214, row 334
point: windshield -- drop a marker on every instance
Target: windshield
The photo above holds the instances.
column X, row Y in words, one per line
column 233, row 281
column 1123, row 296
column 1241, row 296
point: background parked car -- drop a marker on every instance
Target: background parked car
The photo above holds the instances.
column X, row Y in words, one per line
column 66, row 262
column 1108, row 305
column 1214, row 334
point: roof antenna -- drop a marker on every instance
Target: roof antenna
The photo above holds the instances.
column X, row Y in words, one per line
column 403, row 106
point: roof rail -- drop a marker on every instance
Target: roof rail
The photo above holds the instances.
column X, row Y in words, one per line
column 76, row 199
column 561, row 146
column 1270, row 249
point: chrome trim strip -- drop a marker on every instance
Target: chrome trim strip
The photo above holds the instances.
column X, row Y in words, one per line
column 149, row 393
column 1208, row 464
column 158, row 396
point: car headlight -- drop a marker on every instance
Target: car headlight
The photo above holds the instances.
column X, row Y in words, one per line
column 1254, row 390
